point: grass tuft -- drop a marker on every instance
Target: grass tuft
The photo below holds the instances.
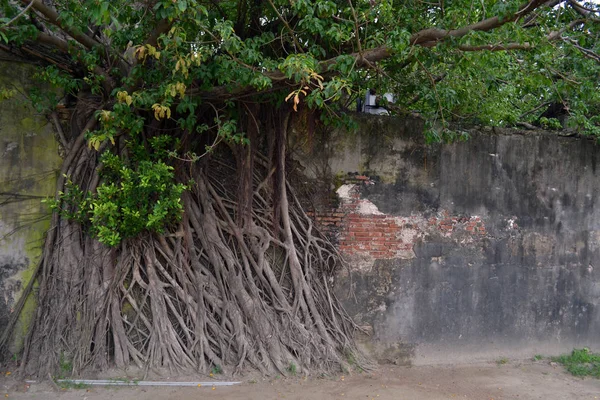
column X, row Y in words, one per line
column 292, row 369
column 581, row 362
column 502, row 361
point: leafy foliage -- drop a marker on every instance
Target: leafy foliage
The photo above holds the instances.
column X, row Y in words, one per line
column 135, row 197
column 581, row 362
column 236, row 44
column 193, row 66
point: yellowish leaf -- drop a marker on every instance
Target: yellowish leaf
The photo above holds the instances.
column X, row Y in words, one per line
column 161, row 111
column 140, row 52
column 94, row 142
column 156, row 107
column 195, row 58
column 105, row 115
column 180, row 88
column 124, row 97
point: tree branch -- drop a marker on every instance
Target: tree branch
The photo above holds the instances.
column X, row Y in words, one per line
column 429, row 37
column 54, row 18
column 356, row 30
column 582, row 10
column 289, row 28
column 497, row 47
column 162, row 27
column 557, row 34
column 426, row 38
column 53, row 41
column 586, row 52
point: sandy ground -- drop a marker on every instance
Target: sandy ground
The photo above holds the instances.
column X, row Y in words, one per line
column 513, row 380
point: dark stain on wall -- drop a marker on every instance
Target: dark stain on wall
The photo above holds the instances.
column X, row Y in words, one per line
column 8, row 268
column 505, row 260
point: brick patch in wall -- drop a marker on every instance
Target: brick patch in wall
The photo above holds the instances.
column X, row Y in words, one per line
column 359, row 228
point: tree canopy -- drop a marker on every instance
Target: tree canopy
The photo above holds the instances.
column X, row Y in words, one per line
column 487, row 62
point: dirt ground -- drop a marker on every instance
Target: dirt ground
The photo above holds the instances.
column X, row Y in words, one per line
column 512, row 380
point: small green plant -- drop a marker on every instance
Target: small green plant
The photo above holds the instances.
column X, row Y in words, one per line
column 581, row 362
column 216, row 369
column 502, row 361
column 65, row 365
column 137, row 196
column 353, row 364
column 292, row 369
column 550, row 123
column 351, row 358
column 538, row 357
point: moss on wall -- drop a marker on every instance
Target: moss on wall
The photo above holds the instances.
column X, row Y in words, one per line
column 29, row 164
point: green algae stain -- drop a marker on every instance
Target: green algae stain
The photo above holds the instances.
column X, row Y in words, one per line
column 33, row 249
column 29, row 167
column 29, row 124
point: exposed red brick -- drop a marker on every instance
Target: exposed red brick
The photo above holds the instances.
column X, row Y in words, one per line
column 353, row 228
column 384, row 236
column 362, row 234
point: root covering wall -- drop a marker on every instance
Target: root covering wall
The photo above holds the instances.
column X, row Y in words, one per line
column 469, row 251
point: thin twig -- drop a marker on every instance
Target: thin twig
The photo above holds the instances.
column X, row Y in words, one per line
column 19, row 15
column 288, row 27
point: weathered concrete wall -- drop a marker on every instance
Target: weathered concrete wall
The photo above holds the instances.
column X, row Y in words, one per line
column 29, row 163
column 471, row 251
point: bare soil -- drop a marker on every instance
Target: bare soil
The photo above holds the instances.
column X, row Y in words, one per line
column 511, row 380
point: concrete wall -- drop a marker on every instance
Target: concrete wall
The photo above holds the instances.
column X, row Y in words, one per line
column 470, row 251
column 29, row 163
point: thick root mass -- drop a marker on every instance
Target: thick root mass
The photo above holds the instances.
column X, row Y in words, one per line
column 217, row 290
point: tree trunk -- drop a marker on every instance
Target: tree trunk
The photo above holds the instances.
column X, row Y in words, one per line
column 236, row 284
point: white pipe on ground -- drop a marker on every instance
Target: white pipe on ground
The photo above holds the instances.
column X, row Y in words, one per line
column 113, row 382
